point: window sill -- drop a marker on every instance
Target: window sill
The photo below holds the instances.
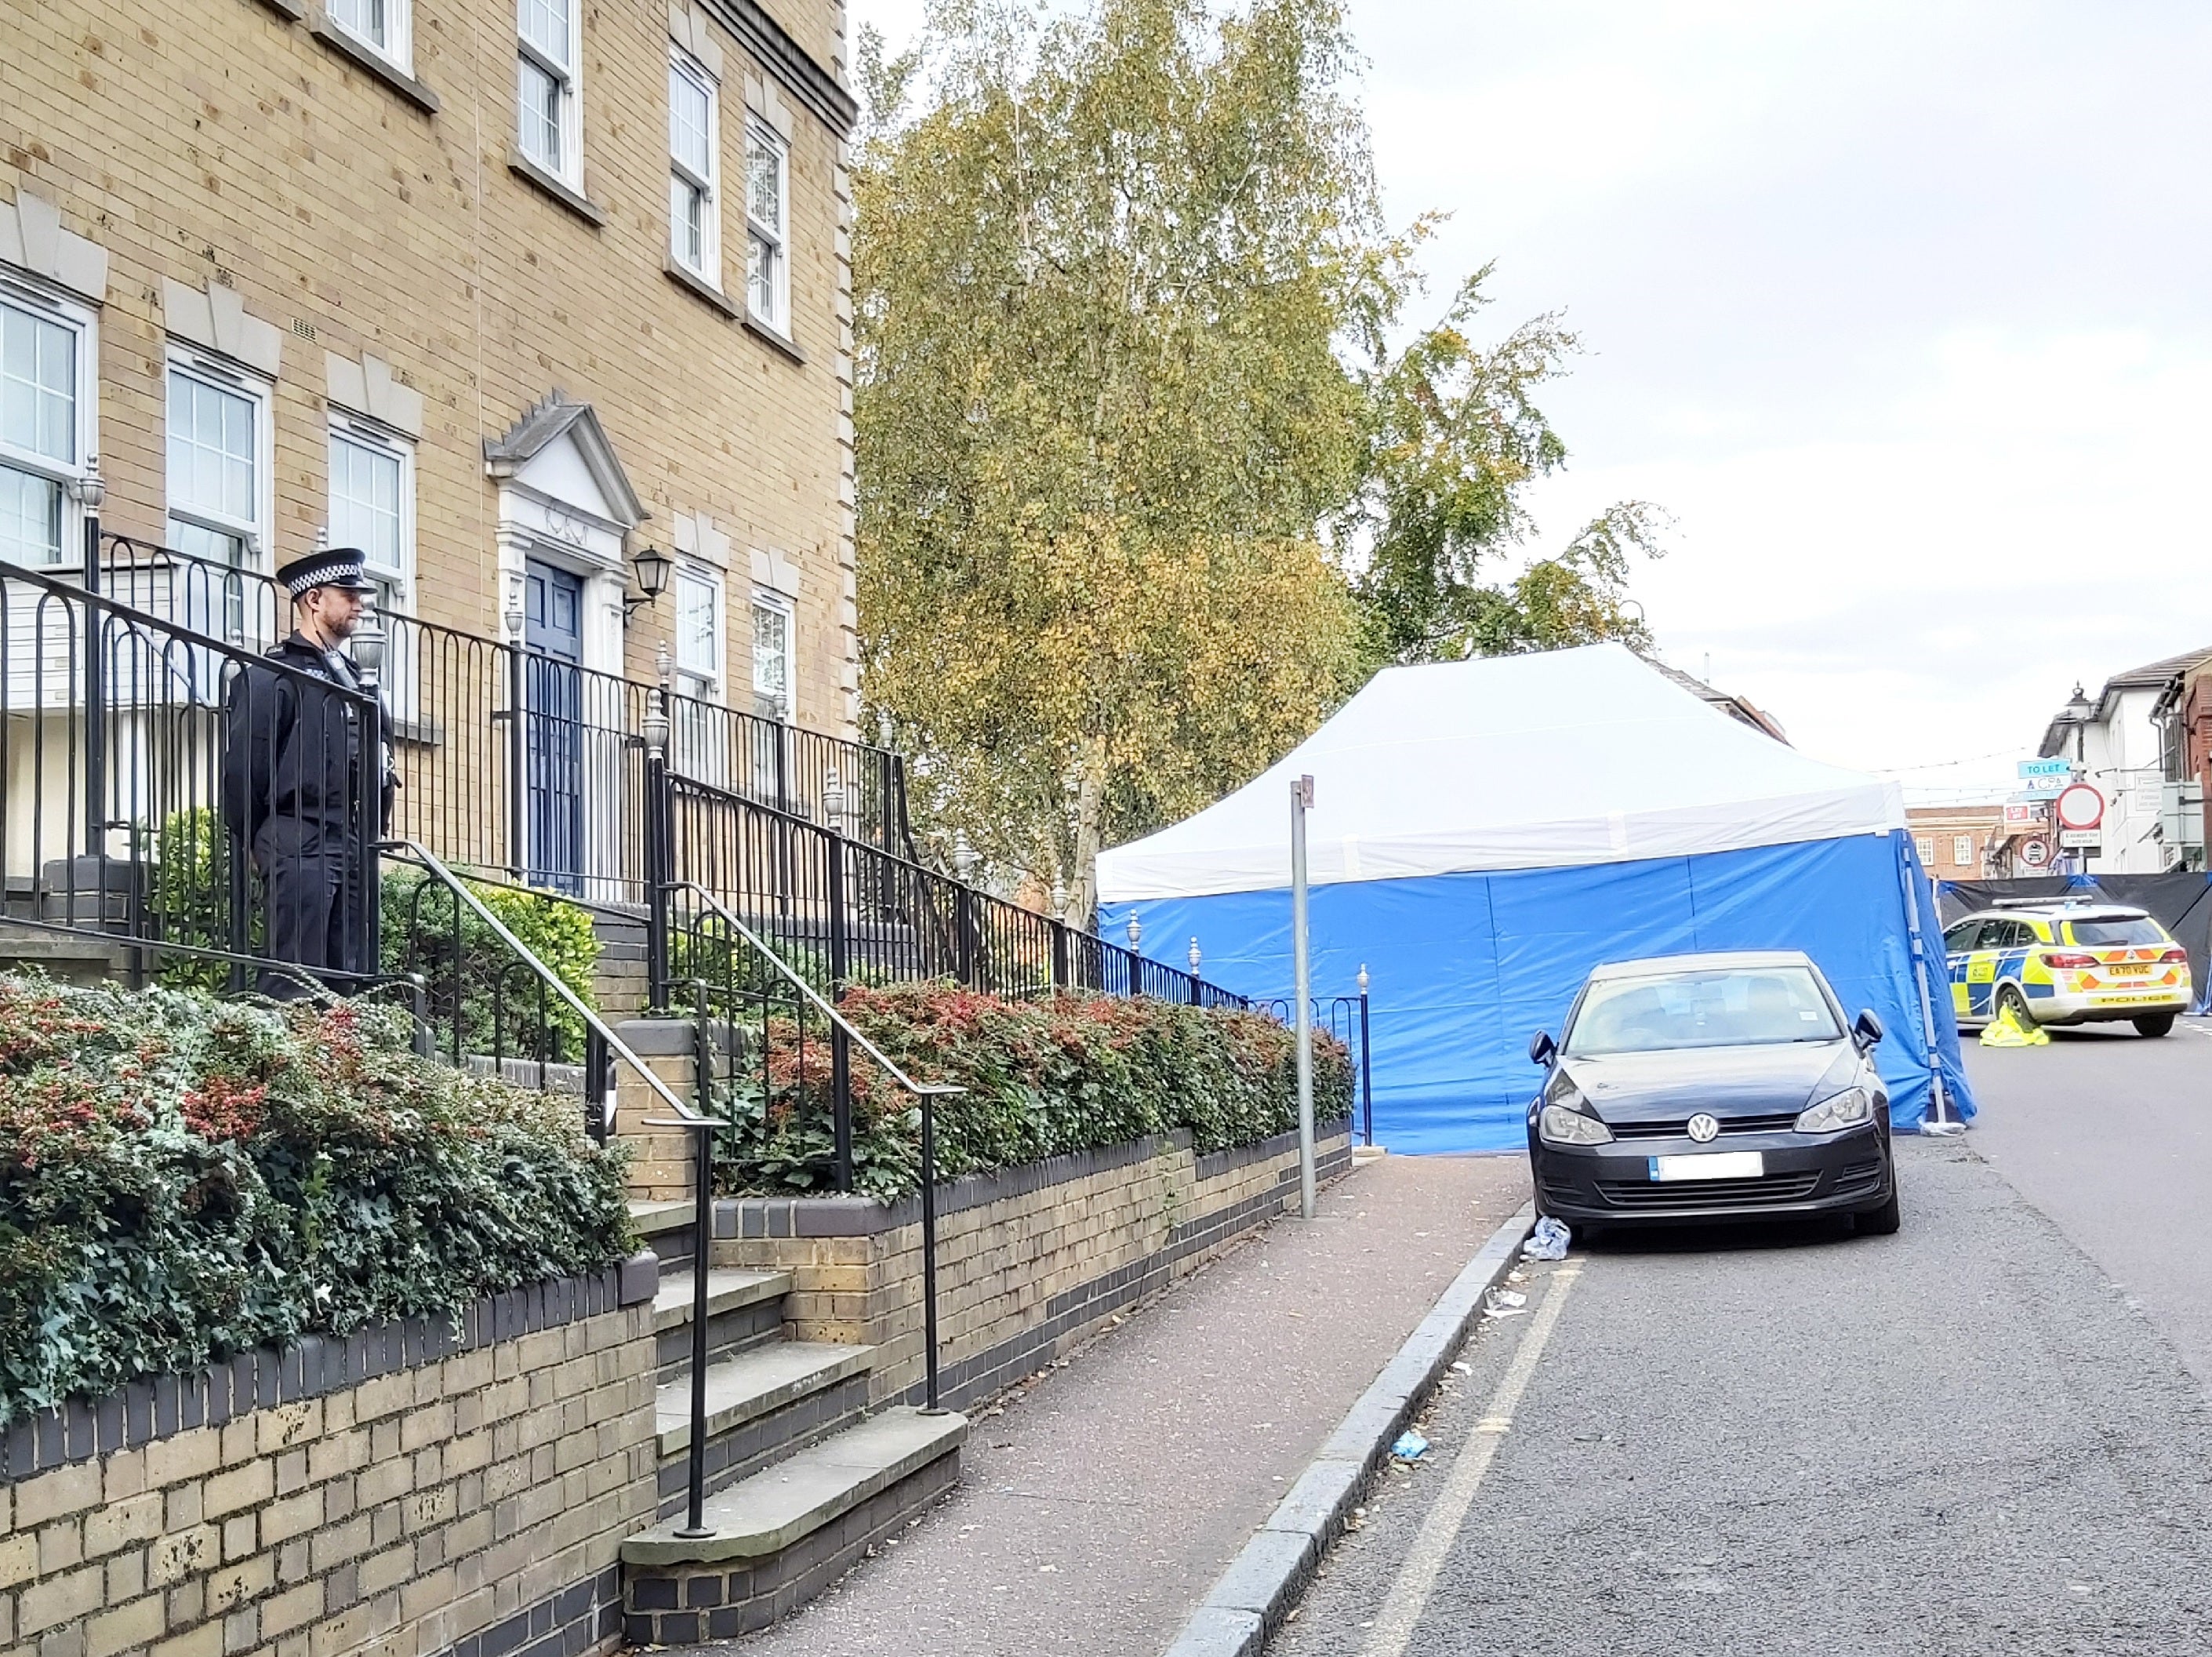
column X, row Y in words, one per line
column 782, row 342
column 287, row 9
column 692, row 283
column 363, row 56
column 567, row 194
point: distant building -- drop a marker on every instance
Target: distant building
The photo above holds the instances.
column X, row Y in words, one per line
column 1741, row 709
column 1966, row 842
column 2119, row 741
column 2184, row 716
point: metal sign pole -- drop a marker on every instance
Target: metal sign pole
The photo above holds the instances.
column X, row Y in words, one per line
column 1301, row 798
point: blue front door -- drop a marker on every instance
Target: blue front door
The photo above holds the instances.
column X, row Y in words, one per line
column 553, row 634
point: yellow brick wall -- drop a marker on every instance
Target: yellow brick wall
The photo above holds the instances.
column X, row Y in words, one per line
column 215, row 140
column 396, row 1517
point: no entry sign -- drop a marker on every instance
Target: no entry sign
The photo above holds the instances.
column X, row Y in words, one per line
column 2080, row 805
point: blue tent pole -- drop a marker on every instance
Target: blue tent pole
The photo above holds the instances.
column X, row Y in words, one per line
column 1941, row 1122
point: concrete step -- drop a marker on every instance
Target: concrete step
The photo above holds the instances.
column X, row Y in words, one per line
column 666, row 1229
column 743, row 1309
column 727, row 1290
column 783, row 1535
column 84, row 961
column 764, row 1402
column 755, row 1383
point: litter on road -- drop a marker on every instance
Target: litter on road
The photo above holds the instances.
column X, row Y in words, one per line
column 1548, row 1242
column 1410, row 1446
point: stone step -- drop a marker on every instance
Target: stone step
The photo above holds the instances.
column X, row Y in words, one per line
column 783, row 1535
column 727, row 1290
column 743, row 1309
column 666, row 1228
column 756, row 1382
column 764, row 1402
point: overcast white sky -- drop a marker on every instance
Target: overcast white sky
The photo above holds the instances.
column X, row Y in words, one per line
column 1903, row 311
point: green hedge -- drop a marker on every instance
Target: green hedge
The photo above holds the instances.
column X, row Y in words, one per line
column 183, row 1179
column 1044, row 1076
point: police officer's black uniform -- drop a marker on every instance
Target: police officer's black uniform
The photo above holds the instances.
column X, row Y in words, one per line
column 296, row 792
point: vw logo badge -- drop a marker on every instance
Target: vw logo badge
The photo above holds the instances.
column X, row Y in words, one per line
column 1702, row 1128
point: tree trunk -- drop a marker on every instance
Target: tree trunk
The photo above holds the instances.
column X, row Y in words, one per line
column 1089, row 807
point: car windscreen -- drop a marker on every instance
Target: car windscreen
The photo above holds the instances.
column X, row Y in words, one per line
column 1728, row 1008
column 2137, row 930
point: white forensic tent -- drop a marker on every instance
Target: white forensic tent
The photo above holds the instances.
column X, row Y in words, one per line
column 1486, row 831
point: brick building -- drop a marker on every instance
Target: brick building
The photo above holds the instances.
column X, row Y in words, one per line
column 503, row 290
column 1957, row 842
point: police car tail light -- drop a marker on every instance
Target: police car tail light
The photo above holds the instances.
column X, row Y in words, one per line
column 2175, row 955
column 2069, row 960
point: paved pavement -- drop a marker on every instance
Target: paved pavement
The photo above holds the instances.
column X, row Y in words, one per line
column 1094, row 1511
column 1959, row 1439
column 2111, row 1134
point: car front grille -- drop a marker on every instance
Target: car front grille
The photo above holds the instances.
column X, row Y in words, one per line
column 1679, row 1127
column 1708, row 1193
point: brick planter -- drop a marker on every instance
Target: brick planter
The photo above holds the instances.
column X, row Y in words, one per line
column 1031, row 1260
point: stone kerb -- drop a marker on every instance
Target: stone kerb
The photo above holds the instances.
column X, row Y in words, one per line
column 412, row 1489
column 1031, row 1260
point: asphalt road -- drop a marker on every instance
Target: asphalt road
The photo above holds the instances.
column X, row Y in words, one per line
column 2111, row 1136
column 1961, row 1438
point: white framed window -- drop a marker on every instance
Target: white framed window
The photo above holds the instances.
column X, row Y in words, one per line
column 372, row 507
column 548, row 109
column 771, row 657
column 1962, row 849
column 48, row 356
column 1924, row 847
column 768, row 259
column 694, row 204
column 698, row 631
column 385, row 26
column 219, row 462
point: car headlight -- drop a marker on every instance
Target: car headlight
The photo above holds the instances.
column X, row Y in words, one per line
column 1561, row 1126
column 1847, row 1109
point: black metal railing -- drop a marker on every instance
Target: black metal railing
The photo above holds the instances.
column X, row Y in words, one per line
column 518, row 761
column 866, row 916
column 136, row 755
column 1345, row 1018
column 738, row 982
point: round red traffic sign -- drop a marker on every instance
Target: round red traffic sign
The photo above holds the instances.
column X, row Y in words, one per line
column 2035, row 853
column 2080, row 806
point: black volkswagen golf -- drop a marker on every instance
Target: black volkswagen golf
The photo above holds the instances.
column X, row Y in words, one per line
column 1719, row 1087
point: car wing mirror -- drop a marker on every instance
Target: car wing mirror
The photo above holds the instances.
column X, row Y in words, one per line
column 1541, row 1048
column 1868, row 1031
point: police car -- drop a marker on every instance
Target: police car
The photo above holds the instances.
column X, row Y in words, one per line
column 2067, row 962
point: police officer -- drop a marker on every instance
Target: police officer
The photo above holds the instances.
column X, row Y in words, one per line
column 296, row 793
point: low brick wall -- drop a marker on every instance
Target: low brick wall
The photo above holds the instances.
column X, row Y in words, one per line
column 413, row 1489
column 1031, row 1260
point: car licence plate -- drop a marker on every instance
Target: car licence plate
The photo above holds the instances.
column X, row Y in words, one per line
column 1711, row 1165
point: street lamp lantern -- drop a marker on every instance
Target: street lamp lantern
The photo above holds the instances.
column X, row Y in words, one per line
column 653, row 566
column 2078, row 710
column 1362, row 977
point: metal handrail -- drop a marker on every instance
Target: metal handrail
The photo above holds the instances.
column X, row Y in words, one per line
column 697, row 1121
column 925, row 1091
column 551, row 980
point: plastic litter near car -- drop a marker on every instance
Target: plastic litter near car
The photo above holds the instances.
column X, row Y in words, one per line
column 1548, row 1241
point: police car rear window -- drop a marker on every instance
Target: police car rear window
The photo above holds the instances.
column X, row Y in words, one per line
column 2137, row 930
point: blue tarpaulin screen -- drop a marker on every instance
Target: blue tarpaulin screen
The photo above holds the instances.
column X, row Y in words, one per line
column 1465, row 968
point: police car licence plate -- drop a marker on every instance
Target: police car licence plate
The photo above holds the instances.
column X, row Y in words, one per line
column 1709, row 1165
